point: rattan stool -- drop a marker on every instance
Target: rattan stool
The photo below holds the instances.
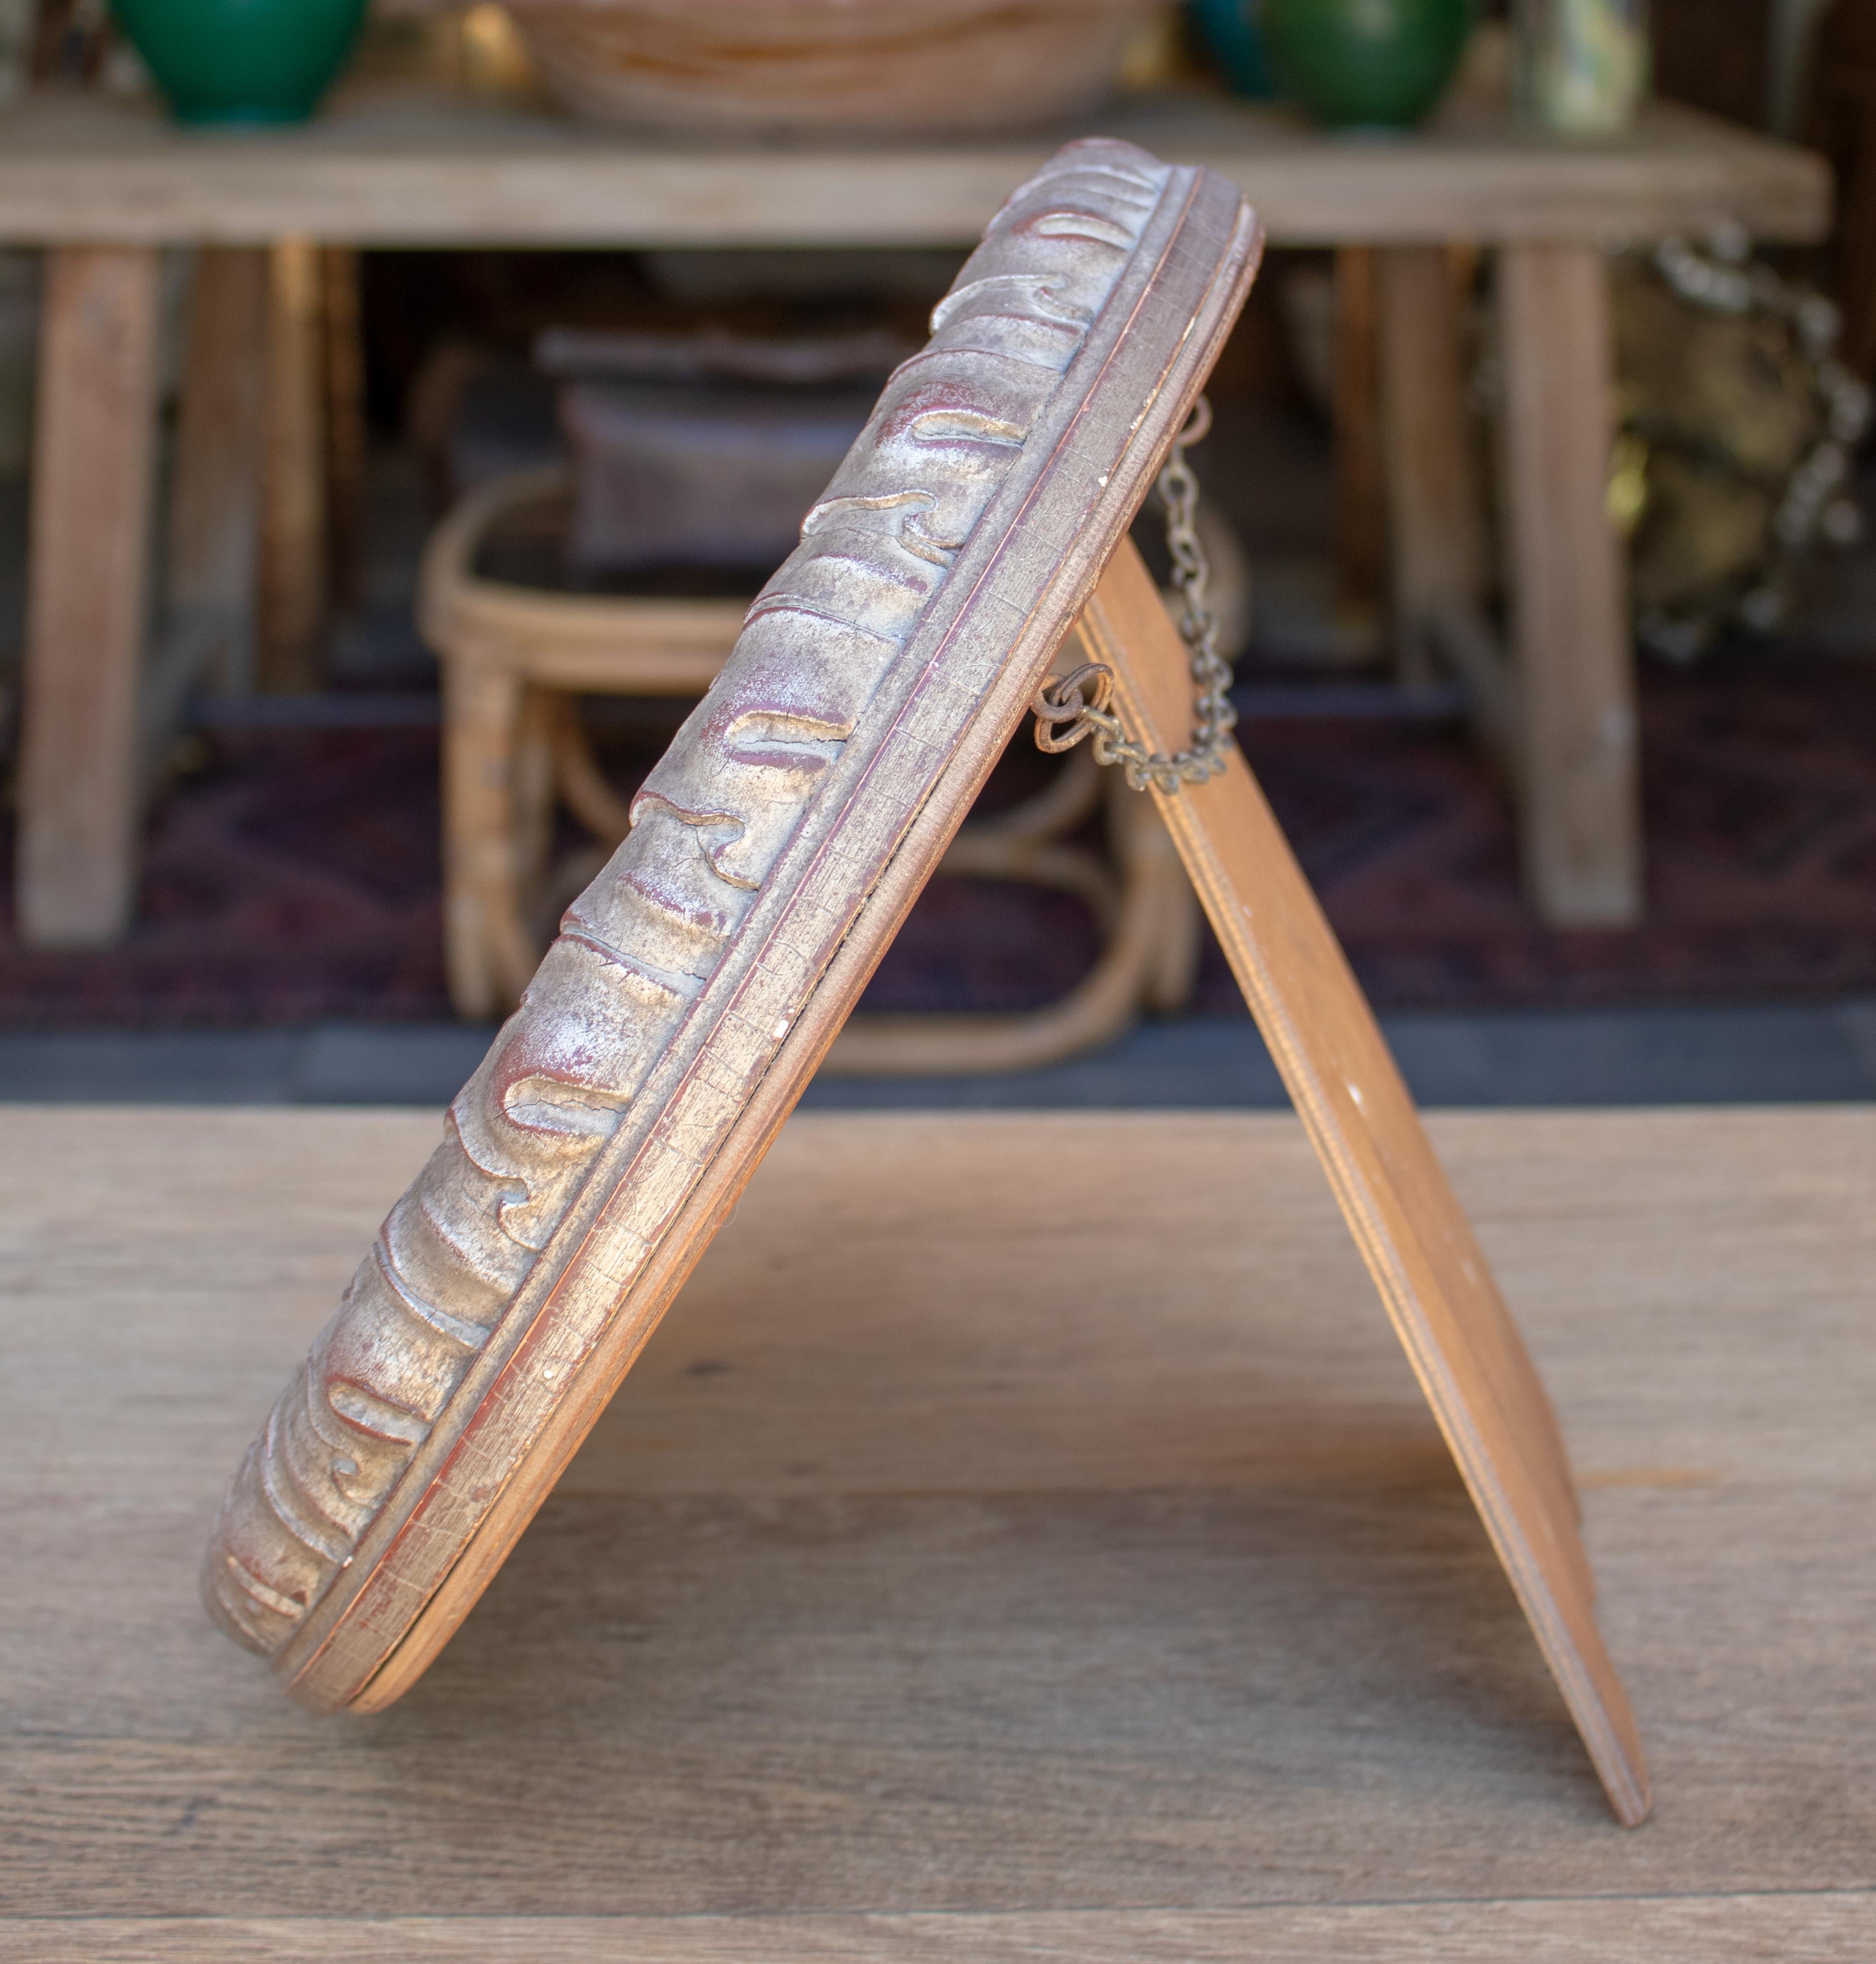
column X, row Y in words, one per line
column 514, row 659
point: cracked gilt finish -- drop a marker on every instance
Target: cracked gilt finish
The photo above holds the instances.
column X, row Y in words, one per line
column 953, row 545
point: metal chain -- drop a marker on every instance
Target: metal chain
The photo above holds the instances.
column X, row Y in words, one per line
column 1075, row 706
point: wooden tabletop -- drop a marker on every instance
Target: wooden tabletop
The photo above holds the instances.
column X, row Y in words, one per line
column 435, row 171
column 982, row 1563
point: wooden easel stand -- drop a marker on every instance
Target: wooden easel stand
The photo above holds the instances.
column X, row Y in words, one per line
column 1417, row 1243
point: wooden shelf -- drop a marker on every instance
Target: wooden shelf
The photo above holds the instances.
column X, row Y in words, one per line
column 438, row 172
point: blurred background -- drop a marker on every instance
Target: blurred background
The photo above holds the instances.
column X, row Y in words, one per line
column 459, row 462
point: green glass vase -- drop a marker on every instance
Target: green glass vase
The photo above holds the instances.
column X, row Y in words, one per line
column 1366, row 64
column 241, row 61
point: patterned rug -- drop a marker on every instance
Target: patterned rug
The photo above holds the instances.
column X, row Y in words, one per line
column 295, row 876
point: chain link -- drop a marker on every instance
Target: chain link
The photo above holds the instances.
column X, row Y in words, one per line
column 1072, row 707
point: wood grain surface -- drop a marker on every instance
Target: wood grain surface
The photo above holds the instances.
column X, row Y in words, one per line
column 1022, row 1540
column 1739, row 1929
column 379, row 171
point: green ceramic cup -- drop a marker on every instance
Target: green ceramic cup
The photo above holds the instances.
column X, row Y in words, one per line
column 241, row 61
column 1366, row 64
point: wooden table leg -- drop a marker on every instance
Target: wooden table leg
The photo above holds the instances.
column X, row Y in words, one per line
column 214, row 509
column 292, row 583
column 1580, row 822
column 94, row 448
column 1437, row 549
column 1361, row 520
column 343, row 381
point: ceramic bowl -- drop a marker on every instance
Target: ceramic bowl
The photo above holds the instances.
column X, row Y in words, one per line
column 1367, row 64
column 241, row 61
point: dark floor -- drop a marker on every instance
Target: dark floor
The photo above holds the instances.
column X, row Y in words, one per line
column 1761, row 1054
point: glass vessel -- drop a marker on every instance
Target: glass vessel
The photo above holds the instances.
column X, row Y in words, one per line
column 1580, row 66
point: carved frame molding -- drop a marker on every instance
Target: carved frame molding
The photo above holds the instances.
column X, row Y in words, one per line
column 697, row 983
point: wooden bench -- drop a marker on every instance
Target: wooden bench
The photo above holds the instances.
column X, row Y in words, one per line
column 959, row 1577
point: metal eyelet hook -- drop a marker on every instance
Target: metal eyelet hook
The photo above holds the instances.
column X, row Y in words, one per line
column 1074, row 707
